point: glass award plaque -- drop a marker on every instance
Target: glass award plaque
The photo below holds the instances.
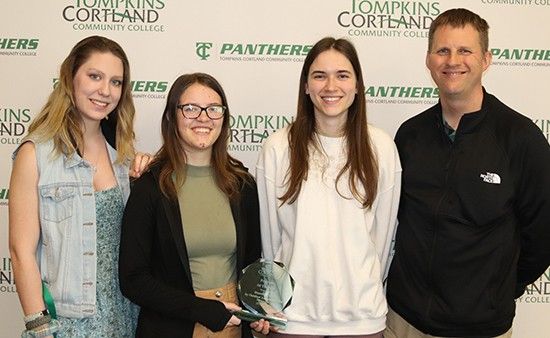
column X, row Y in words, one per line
column 265, row 289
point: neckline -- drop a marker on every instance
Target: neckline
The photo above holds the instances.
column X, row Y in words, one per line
column 106, row 190
column 199, row 171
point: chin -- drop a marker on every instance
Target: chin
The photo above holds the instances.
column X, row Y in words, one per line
column 450, row 91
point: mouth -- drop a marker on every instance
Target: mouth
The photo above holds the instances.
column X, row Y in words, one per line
column 99, row 103
column 331, row 99
column 453, row 73
column 202, row 130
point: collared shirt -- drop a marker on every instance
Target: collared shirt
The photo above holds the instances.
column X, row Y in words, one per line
column 451, row 133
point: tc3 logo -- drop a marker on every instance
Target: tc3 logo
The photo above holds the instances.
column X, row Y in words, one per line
column 202, row 49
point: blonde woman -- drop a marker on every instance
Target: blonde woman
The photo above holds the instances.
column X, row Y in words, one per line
column 67, row 192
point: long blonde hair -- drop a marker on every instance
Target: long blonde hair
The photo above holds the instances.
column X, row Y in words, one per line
column 59, row 120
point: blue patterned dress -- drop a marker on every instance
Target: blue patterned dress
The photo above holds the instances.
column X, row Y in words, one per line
column 116, row 316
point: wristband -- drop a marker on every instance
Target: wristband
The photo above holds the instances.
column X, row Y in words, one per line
column 33, row 324
column 33, row 316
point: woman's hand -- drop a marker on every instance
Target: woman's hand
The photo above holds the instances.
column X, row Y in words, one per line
column 262, row 326
column 232, row 307
column 141, row 160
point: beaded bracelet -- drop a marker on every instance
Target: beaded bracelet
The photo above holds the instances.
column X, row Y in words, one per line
column 48, row 330
column 33, row 324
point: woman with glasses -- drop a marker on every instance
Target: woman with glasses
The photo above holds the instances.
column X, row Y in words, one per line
column 191, row 223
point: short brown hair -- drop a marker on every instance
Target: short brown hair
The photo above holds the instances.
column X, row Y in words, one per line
column 460, row 17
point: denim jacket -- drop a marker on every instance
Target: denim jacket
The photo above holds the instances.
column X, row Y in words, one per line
column 67, row 247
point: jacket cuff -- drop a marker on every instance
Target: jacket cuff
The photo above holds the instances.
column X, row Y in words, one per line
column 214, row 315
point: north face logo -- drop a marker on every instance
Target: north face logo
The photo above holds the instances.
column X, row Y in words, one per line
column 490, row 178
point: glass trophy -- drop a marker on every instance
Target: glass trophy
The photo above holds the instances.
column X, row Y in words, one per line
column 265, row 289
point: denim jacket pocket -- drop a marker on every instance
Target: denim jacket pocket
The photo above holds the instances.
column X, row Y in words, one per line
column 56, row 202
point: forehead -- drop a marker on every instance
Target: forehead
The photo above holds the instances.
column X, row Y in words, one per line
column 106, row 62
column 331, row 60
column 199, row 93
column 456, row 36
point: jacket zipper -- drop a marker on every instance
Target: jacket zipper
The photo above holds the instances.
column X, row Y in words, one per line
column 436, row 216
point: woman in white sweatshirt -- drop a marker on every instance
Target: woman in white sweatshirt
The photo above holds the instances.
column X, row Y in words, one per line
column 329, row 190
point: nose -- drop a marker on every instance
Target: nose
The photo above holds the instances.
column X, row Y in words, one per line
column 331, row 83
column 454, row 58
column 105, row 88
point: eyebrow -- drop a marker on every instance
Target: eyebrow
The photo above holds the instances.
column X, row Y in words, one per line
column 457, row 47
column 95, row 70
column 324, row 72
column 118, row 77
column 207, row 105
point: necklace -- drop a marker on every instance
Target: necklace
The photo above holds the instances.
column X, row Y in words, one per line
column 93, row 166
column 95, row 153
column 92, row 163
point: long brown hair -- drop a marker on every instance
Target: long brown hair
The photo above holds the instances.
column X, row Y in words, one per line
column 171, row 157
column 59, row 119
column 361, row 161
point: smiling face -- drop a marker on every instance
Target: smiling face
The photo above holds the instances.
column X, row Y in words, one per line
column 456, row 62
column 332, row 86
column 98, row 86
column 200, row 134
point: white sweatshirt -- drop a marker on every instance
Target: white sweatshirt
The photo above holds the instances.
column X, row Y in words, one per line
column 337, row 252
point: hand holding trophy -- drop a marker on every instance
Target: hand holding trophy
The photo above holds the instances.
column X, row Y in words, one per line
column 265, row 289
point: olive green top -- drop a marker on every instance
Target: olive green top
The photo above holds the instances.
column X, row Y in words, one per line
column 208, row 229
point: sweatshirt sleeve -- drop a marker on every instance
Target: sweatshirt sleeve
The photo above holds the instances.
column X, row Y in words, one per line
column 533, row 208
column 266, row 167
column 389, row 192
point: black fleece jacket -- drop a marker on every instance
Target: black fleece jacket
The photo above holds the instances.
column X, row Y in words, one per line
column 474, row 220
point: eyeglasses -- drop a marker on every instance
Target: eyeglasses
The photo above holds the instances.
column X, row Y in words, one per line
column 192, row 111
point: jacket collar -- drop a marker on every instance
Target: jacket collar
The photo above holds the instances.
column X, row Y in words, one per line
column 172, row 211
column 72, row 160
column 75, row 159
column 469, row 122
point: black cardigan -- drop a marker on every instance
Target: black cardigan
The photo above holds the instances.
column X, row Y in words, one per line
column 154, row 266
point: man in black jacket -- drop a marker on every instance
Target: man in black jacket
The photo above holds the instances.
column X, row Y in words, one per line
column 474, row 216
